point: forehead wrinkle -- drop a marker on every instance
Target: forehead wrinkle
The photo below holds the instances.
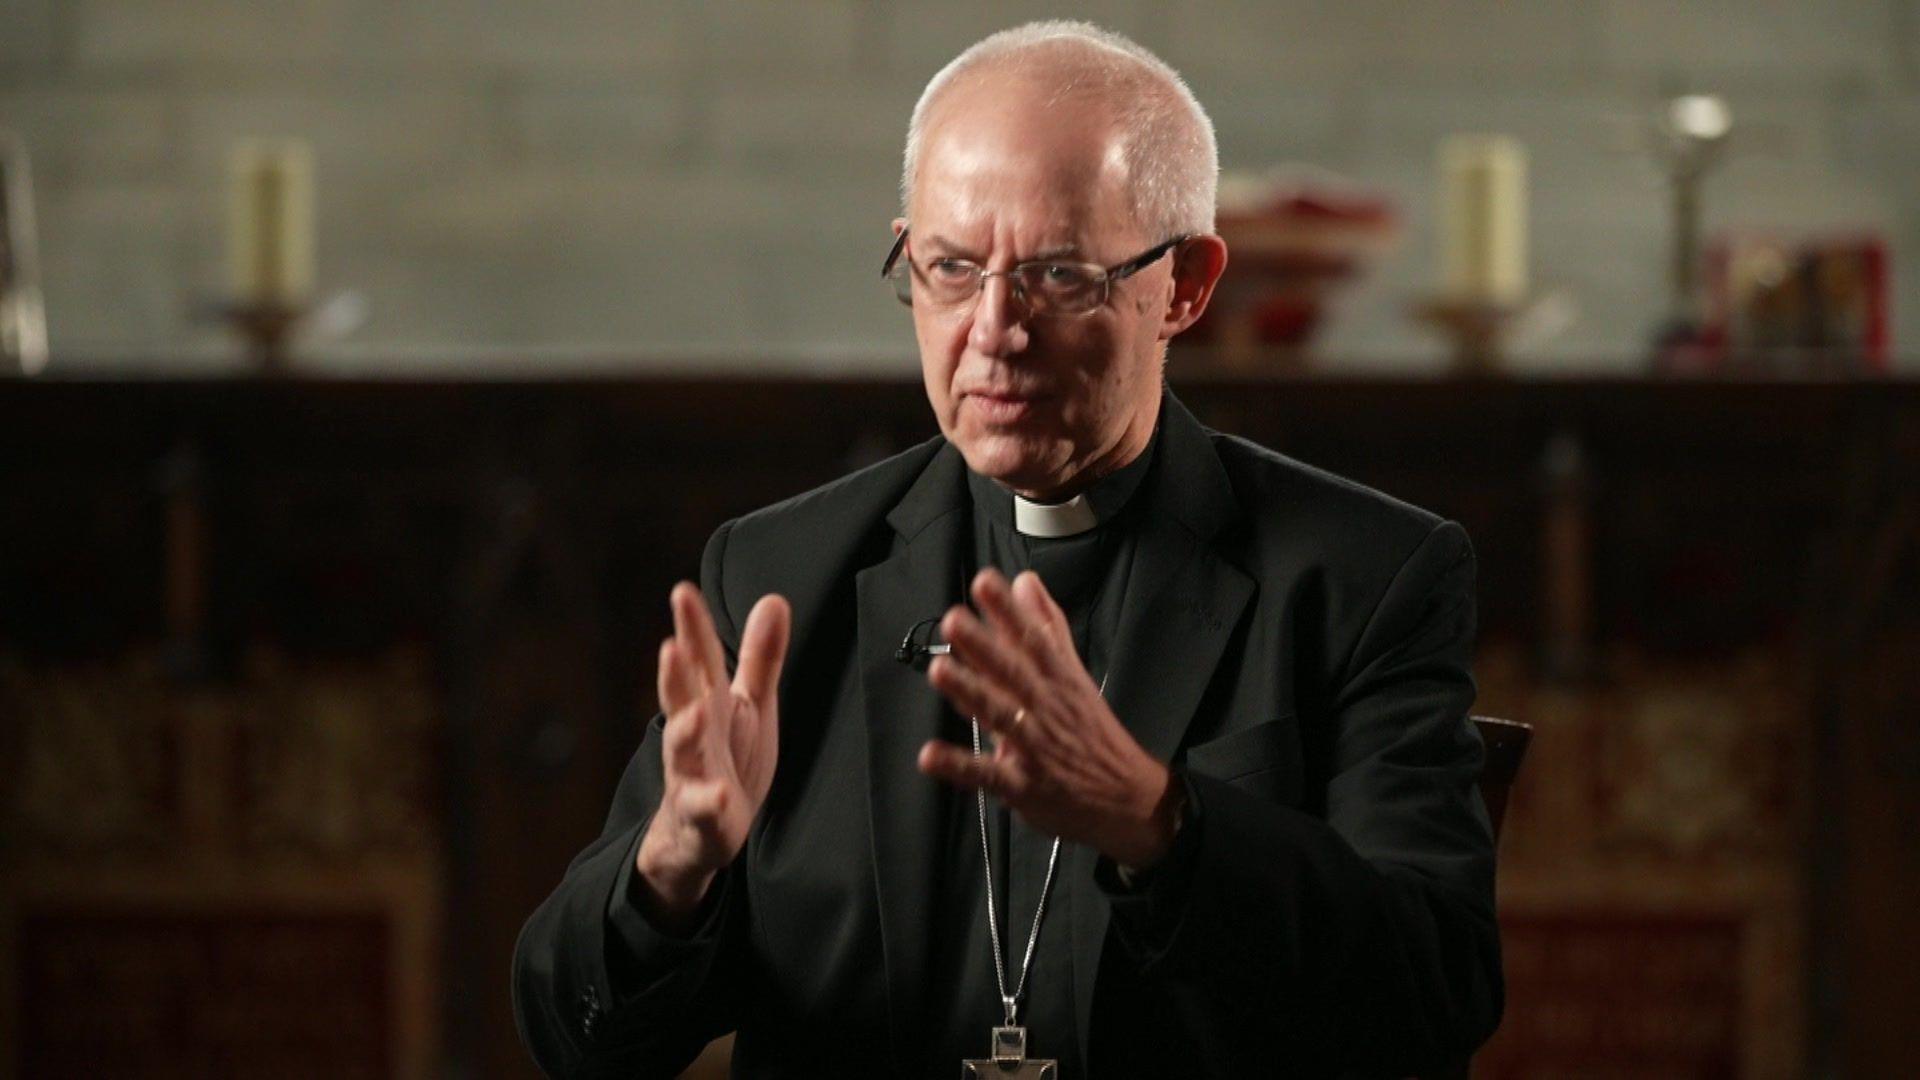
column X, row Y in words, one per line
column 987, row 165
column 946, row 246
column 959, row 211
column 964, row 222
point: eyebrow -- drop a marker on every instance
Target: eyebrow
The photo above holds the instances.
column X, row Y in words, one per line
column 948, row 247
column 1055, row 252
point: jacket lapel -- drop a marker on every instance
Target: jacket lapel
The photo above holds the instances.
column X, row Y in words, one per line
column 919, row 580
column 1183, row 602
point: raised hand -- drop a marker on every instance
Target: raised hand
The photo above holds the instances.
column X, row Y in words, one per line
column 722, row 739
column 1062, row 760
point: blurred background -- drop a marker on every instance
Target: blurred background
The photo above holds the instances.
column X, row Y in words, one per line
column 369, row 370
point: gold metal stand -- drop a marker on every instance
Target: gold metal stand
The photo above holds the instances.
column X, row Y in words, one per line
column 267, row 328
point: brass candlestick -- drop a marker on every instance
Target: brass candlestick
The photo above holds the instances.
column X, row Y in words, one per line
column 1476, row 330
column 1481, row 332
column 267, row 328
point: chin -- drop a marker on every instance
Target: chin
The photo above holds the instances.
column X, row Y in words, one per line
column 1017, row 461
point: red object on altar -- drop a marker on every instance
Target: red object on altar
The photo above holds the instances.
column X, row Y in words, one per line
column 1819, row 305
column 1293, row 245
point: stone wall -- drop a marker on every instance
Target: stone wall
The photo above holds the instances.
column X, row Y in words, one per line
column 612, row 183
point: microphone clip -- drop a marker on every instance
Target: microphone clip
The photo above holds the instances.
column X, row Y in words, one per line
column 917, row 646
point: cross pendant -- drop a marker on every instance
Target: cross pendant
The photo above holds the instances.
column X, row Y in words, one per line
column 1009, row 1060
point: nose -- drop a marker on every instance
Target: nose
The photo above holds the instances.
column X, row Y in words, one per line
column 999, row 319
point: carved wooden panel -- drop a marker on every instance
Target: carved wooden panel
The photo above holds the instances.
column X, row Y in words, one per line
column 219, row 879
column 1651, row 896
column 1612, row 994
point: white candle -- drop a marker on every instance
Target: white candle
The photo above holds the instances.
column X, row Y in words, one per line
column 270, row 223
column 1483, row 219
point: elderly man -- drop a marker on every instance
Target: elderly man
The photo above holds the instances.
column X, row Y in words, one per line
column 1171, row 774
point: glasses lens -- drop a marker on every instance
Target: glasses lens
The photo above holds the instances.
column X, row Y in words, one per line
column 941, row 283
column 949, row 281
column 1045, row 288
column 1061, row 288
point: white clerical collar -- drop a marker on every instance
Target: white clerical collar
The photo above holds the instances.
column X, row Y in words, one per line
column 1051, row 521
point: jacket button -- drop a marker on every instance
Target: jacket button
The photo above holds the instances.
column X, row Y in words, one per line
column 589, row 1011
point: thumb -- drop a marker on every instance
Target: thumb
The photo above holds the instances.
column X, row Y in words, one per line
column 763, row 650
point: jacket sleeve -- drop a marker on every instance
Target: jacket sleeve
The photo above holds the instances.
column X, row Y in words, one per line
column 1368, row 938
column 597, row 988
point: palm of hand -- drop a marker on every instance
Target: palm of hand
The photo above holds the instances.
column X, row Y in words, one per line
column 719, row 774
column 722, row 738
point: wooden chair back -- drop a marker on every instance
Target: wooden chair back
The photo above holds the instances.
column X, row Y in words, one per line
column 1506, row 743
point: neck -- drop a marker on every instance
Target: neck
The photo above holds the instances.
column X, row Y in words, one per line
column 1131, row 444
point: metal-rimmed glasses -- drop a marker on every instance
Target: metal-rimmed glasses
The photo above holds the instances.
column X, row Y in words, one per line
column 1046, row 287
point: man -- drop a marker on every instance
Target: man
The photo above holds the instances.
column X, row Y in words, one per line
column 1226, row 823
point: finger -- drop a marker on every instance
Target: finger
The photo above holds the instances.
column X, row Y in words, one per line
column 953, row 765
column 1060, row 659
column 683, row 748
column 704, row 803
column 745, row 736
column 1031, row 593
column 974, row 697
column 1034, row 634
column 991, row 652
column 991, row 590
column 763, row 649
column 663, row 689
column 678, row 684
column 693, row 625
column 1011, row 772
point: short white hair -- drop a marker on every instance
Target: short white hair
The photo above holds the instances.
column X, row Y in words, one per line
column 1173, row 160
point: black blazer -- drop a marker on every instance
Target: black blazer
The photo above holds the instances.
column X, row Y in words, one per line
column 1299, row 642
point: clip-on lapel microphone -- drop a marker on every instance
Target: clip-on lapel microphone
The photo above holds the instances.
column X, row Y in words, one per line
column 912, row 648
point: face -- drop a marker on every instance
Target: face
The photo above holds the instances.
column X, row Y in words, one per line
column 1042, row 404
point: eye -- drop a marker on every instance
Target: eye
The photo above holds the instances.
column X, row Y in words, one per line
column 1062, row 277
column 950, row 270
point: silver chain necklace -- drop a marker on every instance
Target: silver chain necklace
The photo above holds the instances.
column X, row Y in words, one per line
column 1011, row 1002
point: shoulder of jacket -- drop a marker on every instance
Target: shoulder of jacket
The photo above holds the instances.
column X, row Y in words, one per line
column 1279, row 493
column 865, row 495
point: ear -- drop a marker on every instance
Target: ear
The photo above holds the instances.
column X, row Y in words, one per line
column 1197, row 265
column 898, row 224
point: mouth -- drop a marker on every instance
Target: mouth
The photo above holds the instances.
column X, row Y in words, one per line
column 1003, row 406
